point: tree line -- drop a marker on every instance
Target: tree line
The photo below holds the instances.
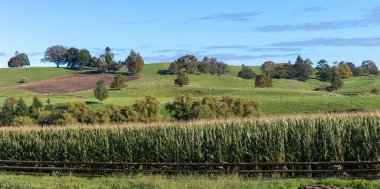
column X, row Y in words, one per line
column 79, row 59
column 15, row 112
column 304, row 70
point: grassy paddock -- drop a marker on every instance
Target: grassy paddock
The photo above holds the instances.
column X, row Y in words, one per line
column 158, row 182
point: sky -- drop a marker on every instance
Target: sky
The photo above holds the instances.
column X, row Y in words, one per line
column 236, row 32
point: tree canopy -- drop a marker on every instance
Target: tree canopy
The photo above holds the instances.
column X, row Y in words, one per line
column 19, row 60
column 55, row 54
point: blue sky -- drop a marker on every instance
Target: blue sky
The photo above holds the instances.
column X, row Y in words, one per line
column 237, row 32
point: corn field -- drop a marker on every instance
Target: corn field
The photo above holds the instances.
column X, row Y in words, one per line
column 320, row 138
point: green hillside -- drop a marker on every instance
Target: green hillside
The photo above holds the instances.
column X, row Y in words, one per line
column 285, row 97
column 12, row 76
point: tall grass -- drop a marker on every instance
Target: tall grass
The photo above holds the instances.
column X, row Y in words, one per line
column 295, row 139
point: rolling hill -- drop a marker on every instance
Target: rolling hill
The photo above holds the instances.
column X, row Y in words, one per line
column 286, row 96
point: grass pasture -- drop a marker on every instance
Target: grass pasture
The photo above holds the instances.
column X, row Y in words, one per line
column 285, row 97
column 161, row 182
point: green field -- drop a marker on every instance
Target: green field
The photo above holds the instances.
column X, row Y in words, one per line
column 12, row 76
column 158, row 182
column 286, row 96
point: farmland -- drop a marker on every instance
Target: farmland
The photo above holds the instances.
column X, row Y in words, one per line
column 288, row 96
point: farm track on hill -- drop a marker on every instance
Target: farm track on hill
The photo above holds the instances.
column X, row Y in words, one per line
column 68, row 84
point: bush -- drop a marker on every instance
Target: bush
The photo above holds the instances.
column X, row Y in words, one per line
column 64, row 118
column 185, row 108
column 375, row 91
column 24, row 80
column 23, row 121
column 246, row 73
column 148, row 109
column 336, row 81
column 78, row 110
column 182, row 79
column 263, row 81
column 118, row 82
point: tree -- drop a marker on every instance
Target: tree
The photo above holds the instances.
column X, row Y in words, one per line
column 182, row 79
column 352, row 67
column 78, row 110
column 118, row 82
column 36, row 105
column 268, row 68
column 345, row 71
column 106, row 62
column 7, row 111
column 370, row 67
column 21, row 108
column 182, row 107
column 284, row 71
column 303, row 69
column 324, row 71
column 263, row 81
column 336, row 80
column 246, row 73
column 100, row 91
column 134, row 63
column 72, row 56
column 77, row 59
column 19, row 60
column 55, row 54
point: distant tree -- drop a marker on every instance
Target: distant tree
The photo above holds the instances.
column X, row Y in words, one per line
column 187, row 63
column 78, row 110
column 246, row 73
column 182, row 79
column 7, row 111
column 352, row 67
column 263, row 81
column 134, row 63
column 19, row 60
column 324, row 71
column 84, row 59
column 100, row 91
column 219, row 68
column 336, row 80
column 345, row 71
column 36, row 105
column 268, row 68
column 72, row 58
column 118, row 82
column 55, row 54
column 21, row 108
column 303, row 69
column 370, row 67
column 106, row 62
column 182, row 107
column 284, row 71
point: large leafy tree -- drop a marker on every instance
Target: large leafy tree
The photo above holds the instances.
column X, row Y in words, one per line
column 106, row 62
column 303, row 68
column 324, row 71
column 268, row 68
column 77, row 59
column 370, row 67
column 134, row 63
column 19, row 60
column 55, row 54
column 345, row 71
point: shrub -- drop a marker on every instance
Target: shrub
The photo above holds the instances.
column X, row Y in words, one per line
column 263, row 81
column 185, row 108
column 78, row 110
column 64, row 118
column 148, row 109
column 246, row 73
column 375, row 91
column 21, row 108
column 118, row 82
column 23, row 121
column 24, row 80
column 182, row 79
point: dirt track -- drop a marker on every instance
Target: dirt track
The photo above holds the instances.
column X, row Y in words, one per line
column 69, row 84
